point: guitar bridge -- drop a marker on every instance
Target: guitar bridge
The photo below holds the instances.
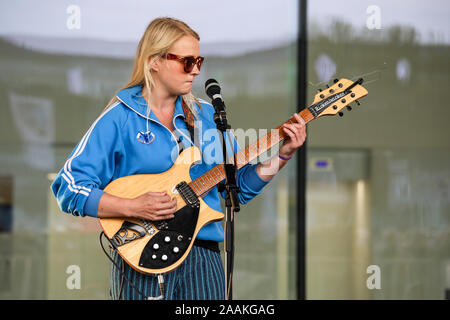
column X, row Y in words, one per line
column 188, row 195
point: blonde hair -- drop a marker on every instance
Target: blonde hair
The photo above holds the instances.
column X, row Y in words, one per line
column 158, row 37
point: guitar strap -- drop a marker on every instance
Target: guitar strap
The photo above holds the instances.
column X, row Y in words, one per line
column 188, row 119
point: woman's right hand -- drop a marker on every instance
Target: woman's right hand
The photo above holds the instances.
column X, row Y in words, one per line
column 152, row 206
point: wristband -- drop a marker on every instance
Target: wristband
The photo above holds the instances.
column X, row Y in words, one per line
column 283, row 158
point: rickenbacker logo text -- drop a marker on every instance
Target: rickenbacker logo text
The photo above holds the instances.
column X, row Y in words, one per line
column 328, row 101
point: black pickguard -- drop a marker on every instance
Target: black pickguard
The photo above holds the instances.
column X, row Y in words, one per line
column 180, row 231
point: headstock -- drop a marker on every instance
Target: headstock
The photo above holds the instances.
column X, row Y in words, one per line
column 331, row 101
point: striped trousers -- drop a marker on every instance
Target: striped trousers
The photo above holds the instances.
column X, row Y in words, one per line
column 199, row 277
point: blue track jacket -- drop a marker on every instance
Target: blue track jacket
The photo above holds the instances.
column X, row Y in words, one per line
column 113, row 148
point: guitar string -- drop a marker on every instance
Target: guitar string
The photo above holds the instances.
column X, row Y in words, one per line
column 376, row 71
column 247, row 153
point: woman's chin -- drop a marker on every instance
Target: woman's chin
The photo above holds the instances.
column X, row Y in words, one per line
column 186, row 89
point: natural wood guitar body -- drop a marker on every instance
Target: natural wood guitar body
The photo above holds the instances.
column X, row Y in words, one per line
column 136, row 185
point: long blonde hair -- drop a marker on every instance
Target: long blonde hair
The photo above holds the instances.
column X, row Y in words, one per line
column 159, row 36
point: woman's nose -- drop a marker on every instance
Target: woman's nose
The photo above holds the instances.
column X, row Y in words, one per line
column 195, row 71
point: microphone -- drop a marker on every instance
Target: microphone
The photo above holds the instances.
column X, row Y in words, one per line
column 212, row 89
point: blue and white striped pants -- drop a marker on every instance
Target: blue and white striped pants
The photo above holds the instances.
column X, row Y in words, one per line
column 199, row 277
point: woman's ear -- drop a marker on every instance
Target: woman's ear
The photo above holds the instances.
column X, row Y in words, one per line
column 153, row 63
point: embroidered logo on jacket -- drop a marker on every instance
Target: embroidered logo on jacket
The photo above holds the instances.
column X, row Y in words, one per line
column 145, row 137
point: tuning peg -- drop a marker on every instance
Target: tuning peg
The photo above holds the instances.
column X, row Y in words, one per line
column 349, row 108
column 327, row 86
column 336, row 80
column 319, row 90
column 341, row 114
column 357, row 102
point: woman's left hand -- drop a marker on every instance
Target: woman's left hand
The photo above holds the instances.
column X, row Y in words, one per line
column 295, row 137
column 296, row 132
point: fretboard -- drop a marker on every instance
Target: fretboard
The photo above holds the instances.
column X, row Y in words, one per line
column 211, row 178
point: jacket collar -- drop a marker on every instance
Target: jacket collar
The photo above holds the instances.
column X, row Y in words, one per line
column 132, row 98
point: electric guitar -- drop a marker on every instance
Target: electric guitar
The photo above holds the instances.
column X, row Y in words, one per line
column 157, row 247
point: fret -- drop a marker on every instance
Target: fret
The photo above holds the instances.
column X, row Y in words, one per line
column 199, row 186
column 262, row 145
column 259, row 147
column 277, row 135
column 213, row 177
column 306, row 115
column 221, row 169
column 203, row 190
column 202, row 180
column 245, row 154
column 215, row 173
column 253, row 150
column 240, row 158
column 218, row 174
column 194, row 187
column 268, row 137
column 265, row 143
column 210, row 181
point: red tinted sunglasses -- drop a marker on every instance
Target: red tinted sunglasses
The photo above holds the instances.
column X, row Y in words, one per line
column 188, row 62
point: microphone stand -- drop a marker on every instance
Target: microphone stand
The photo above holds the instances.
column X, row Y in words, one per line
column 231, row 200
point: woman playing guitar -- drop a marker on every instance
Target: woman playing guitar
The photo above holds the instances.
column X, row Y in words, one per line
column 142, row 131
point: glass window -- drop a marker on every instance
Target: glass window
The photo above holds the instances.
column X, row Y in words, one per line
column 379, row 178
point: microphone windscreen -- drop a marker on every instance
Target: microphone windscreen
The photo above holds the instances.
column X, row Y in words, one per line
column 212, row 87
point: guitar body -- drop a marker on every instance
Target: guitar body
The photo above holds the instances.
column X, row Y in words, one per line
column 156, row 247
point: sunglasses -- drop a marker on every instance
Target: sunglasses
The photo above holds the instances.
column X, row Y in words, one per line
column 188, row 62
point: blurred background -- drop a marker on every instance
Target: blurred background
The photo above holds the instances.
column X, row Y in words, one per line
column 377, row 186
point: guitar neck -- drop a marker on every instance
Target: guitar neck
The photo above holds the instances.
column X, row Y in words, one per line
column 211, row 178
